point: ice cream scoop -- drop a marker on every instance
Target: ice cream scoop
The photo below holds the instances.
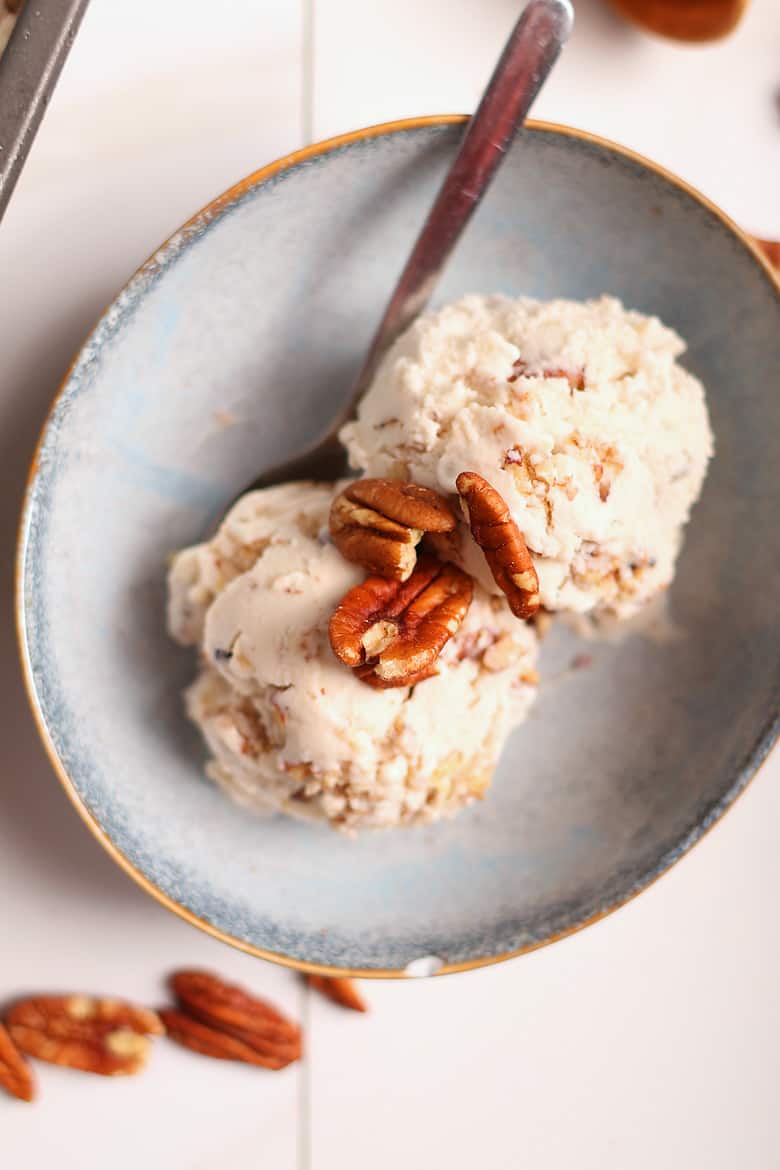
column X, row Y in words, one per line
column 288, row 727
column 579, row 414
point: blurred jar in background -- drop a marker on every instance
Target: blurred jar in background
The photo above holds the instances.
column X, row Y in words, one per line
column 684, row 20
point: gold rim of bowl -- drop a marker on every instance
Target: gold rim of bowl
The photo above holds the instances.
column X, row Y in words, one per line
column 196, row 223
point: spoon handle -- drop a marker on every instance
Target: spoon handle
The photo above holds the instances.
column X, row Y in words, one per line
column 530, row 53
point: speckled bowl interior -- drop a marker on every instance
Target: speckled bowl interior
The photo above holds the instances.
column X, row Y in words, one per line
column 230, row 349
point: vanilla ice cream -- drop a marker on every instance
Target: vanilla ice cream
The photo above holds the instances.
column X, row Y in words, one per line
column 290, row 728
column 579, row 414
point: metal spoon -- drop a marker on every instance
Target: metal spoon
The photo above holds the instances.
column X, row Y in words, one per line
column 29, row 68
column 530, row 54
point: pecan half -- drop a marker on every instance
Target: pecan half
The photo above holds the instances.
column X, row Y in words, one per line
column 392, row 632
column 341, row 991
column 502, row 543
column 103, row 1036
column 199, row 1037
column 15, row 1073
column 230, row 1009
column 378, row 523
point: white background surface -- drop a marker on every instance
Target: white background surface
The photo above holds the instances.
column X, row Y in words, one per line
column 650, row 1040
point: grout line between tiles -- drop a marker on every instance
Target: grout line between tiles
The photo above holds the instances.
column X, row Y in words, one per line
column 304, row 1082
column 307, row 71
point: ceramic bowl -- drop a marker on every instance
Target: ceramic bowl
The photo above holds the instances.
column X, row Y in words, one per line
column 227, row 351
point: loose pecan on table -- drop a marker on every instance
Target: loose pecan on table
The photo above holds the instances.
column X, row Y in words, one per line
column 233, row 1011
column 391, row 633
column 191, row 1033
column 378, row 523
column 15, row 1073
column 103, row 1036
column 501, row 541
column 341, row 991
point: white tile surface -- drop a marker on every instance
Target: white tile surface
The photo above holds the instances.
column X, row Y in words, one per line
column 650, row 1040
column 709, row 113
column 157, row 111
column 83, row 926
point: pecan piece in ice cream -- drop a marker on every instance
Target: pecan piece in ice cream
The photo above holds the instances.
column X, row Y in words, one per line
column 501, row 541
column 575, row 378
column 392, row 632
column 378, row 523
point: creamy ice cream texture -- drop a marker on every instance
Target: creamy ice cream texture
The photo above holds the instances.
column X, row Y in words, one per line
column 579, row 414
column 582, row 418
column 289, row 728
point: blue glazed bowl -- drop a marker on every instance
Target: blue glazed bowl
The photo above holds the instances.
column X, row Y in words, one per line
column 224, row 354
